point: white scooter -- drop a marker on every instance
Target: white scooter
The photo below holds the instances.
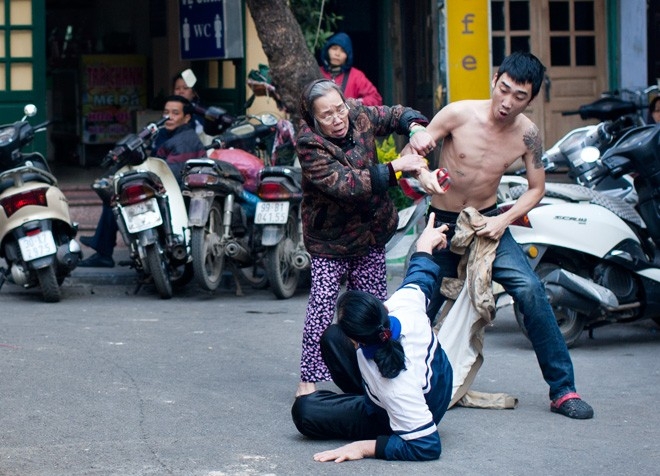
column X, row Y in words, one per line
column 36, row 231
column 597, row 254
column 150, row 212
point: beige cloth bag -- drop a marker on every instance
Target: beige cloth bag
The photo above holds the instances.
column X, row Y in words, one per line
column 469, row 308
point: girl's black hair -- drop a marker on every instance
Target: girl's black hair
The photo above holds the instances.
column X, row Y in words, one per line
column 364, row 319
column 523, row 67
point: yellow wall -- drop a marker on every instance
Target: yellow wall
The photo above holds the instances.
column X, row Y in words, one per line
column 254, row 56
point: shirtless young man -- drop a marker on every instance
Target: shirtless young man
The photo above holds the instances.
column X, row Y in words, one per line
column 481, row 139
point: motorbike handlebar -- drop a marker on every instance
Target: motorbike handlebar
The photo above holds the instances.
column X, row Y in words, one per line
column 43, row 125
column 216, row 119
column 132, row 142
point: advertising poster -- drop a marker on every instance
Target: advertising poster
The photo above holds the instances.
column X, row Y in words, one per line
column 113, row 86
column 468, row 49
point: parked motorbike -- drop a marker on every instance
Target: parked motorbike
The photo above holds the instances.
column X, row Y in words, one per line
column 597, row 255
column 37, row 236
column 150, row 212
column 222, row 203
column 278, row 215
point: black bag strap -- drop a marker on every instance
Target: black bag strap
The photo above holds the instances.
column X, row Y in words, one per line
column 345, row 81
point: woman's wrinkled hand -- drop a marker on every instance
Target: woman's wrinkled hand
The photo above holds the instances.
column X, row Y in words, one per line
column 410, row 163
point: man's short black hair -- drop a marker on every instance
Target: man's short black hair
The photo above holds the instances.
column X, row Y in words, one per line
column 187, row 105
column 523, row 68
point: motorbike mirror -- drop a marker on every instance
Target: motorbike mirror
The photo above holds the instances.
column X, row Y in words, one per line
column 30, row 110
column 268, row 119
column 189, row 78
column 590, row 154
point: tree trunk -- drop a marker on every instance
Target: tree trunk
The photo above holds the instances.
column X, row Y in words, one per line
column 291, row 64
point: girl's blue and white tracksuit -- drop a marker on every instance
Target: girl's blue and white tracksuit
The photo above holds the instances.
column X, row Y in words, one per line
column 402, row 413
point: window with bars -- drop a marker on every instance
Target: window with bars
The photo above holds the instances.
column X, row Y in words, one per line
column 16, row 45
column 510, row 28
column 572, row 33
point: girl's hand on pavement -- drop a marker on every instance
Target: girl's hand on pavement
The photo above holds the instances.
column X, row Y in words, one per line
column 349, row 452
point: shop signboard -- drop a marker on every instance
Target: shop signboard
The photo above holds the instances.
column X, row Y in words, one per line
column 468, row 49
column 113, row 86
column 210, row 29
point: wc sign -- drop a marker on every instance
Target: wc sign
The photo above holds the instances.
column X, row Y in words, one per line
column 210, row 29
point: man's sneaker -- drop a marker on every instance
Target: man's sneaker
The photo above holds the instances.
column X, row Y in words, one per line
column 97, row 261
column 572, row 406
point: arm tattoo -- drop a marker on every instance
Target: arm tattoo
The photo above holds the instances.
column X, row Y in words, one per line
column 532, row 140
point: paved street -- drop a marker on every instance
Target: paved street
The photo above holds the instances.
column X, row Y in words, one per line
column 111, row 383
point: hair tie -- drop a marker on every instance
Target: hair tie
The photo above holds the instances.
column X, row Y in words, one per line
column 385, row 334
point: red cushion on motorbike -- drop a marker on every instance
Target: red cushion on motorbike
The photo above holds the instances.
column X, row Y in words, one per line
column 248, row 164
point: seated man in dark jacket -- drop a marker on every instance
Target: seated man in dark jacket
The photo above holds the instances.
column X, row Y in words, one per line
column 178, row 143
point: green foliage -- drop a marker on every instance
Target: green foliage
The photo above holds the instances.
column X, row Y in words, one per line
column 387, row 152
column 307, row 14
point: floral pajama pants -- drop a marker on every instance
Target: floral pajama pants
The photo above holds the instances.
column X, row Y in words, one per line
column 365, row 273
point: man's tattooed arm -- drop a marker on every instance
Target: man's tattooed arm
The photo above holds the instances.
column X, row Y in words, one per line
column 532, row 140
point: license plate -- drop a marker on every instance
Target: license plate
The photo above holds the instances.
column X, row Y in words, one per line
column 36, row 246
column 142, row 216
column 271, row 213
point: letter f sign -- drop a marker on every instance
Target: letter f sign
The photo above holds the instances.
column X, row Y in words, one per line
column 467, row 20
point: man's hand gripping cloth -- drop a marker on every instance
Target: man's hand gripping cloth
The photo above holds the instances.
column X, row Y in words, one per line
column 469, row 307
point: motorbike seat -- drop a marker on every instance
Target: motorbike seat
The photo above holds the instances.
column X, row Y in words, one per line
column 30, row 175
column 578, row 193
column 293, row 173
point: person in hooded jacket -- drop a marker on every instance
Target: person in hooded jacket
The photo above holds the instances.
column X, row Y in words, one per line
column 337, row 65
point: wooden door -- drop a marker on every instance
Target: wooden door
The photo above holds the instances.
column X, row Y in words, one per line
column 569, row 37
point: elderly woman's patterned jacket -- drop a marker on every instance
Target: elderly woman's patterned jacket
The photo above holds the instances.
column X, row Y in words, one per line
column 346, row 208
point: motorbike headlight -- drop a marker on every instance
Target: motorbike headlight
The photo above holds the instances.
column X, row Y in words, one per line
column 7, row 135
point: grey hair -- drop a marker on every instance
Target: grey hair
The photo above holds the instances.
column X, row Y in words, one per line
column 311, row 93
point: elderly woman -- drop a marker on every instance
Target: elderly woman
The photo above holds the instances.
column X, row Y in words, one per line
column 347, row 214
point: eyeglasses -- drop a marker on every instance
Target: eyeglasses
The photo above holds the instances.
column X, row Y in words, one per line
column 341, row 112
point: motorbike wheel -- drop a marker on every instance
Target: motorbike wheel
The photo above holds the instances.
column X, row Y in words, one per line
column 282, row 275
column 159, row 272
column 50, row 290
column 208, row 256
column 570, row 322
